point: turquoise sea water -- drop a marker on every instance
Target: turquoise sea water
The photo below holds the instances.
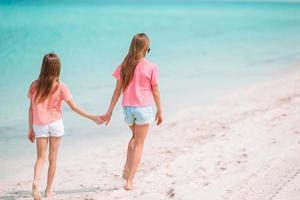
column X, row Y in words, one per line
column 202, row 49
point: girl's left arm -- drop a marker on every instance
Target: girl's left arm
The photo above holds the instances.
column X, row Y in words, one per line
column 78, row 110
column 114, row 100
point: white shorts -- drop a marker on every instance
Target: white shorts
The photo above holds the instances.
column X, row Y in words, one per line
column 54, row 129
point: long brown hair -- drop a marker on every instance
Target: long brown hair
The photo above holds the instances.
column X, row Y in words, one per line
column 138, row 49
column 50, row 71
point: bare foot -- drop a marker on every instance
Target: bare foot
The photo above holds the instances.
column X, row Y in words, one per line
column 125, row 174
column 36, row 192
column 49, row 194
column 128, row 186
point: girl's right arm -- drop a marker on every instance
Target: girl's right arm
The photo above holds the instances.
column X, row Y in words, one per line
column 76, row 109
column 114, row 100
column 156, row 97
column 31, row 135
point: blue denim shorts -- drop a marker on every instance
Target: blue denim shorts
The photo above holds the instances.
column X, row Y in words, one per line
column 138, row 115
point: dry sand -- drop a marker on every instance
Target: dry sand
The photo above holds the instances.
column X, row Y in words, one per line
column 246, row 145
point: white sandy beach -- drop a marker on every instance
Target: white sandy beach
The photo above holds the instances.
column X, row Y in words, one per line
column 243, row 146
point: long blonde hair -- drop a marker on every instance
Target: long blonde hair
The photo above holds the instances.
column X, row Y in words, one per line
column 138, row 48
column 50, row 71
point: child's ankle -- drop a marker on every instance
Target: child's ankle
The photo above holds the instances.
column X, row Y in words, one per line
column 129, row 181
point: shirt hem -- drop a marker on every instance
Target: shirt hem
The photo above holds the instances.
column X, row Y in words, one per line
column 47, row 123
column 134, row 105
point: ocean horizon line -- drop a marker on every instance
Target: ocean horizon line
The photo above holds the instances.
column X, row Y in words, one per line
column 152, row 3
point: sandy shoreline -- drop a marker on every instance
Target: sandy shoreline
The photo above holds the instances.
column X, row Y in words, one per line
column 244, row 146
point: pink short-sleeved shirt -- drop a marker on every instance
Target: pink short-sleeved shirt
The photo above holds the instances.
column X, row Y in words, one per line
column 49, row 110
column 139, row 91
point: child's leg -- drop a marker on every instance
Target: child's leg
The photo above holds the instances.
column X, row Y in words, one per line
column 53, row 151
column 41, row 148
column 129, row 154
column 139, row 139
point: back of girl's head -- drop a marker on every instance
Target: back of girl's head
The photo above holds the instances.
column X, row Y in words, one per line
column 50, row 72
column 50, row 66
column 139, row 46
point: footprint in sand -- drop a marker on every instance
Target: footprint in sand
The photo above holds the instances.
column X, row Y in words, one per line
column 171, row 193
column 228, row 191
column 167, row 152
column 242, row 158
column 220, row 165
column 206, row 183
column 273, row 141
column 222, row 168
column 244, row 155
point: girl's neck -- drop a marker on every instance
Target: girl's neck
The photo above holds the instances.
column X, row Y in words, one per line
column 55, row 82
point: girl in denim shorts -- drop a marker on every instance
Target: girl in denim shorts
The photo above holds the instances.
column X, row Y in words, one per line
column 137, row 79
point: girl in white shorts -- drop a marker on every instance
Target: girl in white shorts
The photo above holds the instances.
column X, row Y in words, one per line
column 46, row 95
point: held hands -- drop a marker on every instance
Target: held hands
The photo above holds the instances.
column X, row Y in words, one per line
column 106, row 117
column 101, row 119
column 98, row 119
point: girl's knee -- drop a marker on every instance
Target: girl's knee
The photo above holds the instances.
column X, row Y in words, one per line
column 138, row 144
column 52, row 160
column 41, row 158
